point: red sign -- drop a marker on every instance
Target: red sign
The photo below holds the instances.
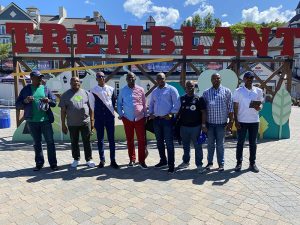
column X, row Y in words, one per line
column 120, row 42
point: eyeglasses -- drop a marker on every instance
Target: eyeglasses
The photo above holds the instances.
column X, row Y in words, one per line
column 101, row 77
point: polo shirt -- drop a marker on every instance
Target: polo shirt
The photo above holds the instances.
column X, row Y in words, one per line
column 243, row 96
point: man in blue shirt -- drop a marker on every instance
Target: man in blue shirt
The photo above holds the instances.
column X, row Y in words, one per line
column 36, row 99
column 219, row 107
column 164, row 103
column 132, row 110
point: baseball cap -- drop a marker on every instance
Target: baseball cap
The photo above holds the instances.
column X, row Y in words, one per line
column 248, row 74
column 36, row 73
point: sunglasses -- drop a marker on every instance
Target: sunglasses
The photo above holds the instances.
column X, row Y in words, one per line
column 101, row 77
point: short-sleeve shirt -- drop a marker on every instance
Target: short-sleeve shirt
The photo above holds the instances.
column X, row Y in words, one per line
column 243, row 96
column 190, row 110
column 37, row 114
column 77, row 107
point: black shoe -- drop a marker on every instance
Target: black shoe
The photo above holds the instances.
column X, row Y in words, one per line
column 238, row 167
column 131, row 164
column 254, row 168
column 143, row 166
column 221, row 168
column 54, row 167
column 160, row 165
column 114, row 165
column 208, row 166
column 101, row 164
column 171, row 169
column 37, row 168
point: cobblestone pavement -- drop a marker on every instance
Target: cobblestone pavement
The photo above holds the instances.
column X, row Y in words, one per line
column 136, row 196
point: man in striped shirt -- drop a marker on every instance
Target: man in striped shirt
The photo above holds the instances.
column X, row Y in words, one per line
column 219, row 106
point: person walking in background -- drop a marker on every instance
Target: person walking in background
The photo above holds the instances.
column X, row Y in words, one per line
column 192, row 116
column 103, row 102
column 133, row 111
column 247, row 104
column 36, row 100
column 75, row 107
column 164, row 103
column 219, row 108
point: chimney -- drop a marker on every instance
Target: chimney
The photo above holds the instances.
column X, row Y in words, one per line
column 62, row 12
column 96, row 15
column 34, row 13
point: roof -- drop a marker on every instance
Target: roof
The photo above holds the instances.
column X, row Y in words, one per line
column 70, row 22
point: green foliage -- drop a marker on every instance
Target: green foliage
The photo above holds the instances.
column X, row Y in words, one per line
column 4, row 51
column 206, row 24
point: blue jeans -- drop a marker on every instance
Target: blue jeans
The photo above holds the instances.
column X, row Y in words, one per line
column 216, row 136
column 163, row 130
column 110, row 131
column 252, row 129
column 188, row 135
column 36, row 130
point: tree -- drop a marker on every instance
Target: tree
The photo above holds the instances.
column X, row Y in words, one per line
column 206, row 24
column 4, row 52
column 197, row 22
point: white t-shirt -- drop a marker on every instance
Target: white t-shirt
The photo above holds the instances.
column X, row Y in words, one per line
column 243, row 96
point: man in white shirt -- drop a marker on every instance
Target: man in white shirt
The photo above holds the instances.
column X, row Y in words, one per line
column 247, row 104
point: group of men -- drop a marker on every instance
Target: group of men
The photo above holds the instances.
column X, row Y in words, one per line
column 83, row 111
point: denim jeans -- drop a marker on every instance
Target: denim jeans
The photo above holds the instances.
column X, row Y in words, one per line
column 85, row 136
column 37, row 129
column 110, row 131
column 188, row 135
column 215, row 136
column 163, row 130
column 252, row 129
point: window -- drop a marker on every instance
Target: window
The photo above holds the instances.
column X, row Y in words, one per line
column 68, row 39
column 5, row 40
column 117, row 87
column 96, row 39
column 196, row 41
column 2, row 29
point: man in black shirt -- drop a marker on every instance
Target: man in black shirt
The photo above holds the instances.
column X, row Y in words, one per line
column 192, row 118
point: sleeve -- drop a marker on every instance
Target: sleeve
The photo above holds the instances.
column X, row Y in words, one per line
column 120, row 104
column 20, row 100
column 91, row 100
column 175, row 100
column 236, row 98
column 52, row 98
column 202, row 103
column 151, row 104
column 62, row 102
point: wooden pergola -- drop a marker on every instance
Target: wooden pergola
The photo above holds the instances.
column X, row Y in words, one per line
column 236, row 63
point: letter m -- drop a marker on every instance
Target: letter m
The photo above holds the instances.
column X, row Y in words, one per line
column 129, row 42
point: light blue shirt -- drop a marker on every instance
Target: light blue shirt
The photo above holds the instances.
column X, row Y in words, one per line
column 164, row 101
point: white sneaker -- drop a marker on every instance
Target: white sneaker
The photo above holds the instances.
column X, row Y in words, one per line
column 183, row 165
column 75, row 163
column 90, row 164
column 201, row 169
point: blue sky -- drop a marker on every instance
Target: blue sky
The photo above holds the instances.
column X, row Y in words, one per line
column 168, row 12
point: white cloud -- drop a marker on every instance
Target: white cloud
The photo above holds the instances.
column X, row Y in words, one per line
column 137, row 7
column 165, row 16
column 89, row 2
column 204, row 10
column 192, row 2
column 226, row 24
column 224, row 15
column 189, row 18
column 273, row 13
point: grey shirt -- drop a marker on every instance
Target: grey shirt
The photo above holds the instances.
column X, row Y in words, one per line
column 77, row 107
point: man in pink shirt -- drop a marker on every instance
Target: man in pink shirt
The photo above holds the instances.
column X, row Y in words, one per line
column 132, row 110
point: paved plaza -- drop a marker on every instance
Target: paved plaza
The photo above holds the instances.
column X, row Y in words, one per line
column 136, row 196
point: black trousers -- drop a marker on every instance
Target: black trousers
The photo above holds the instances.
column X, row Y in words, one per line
column 85, row 136
column 252, row 129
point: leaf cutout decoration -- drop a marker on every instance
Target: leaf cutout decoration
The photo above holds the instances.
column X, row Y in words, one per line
column 263, row 126
column 281, row 108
